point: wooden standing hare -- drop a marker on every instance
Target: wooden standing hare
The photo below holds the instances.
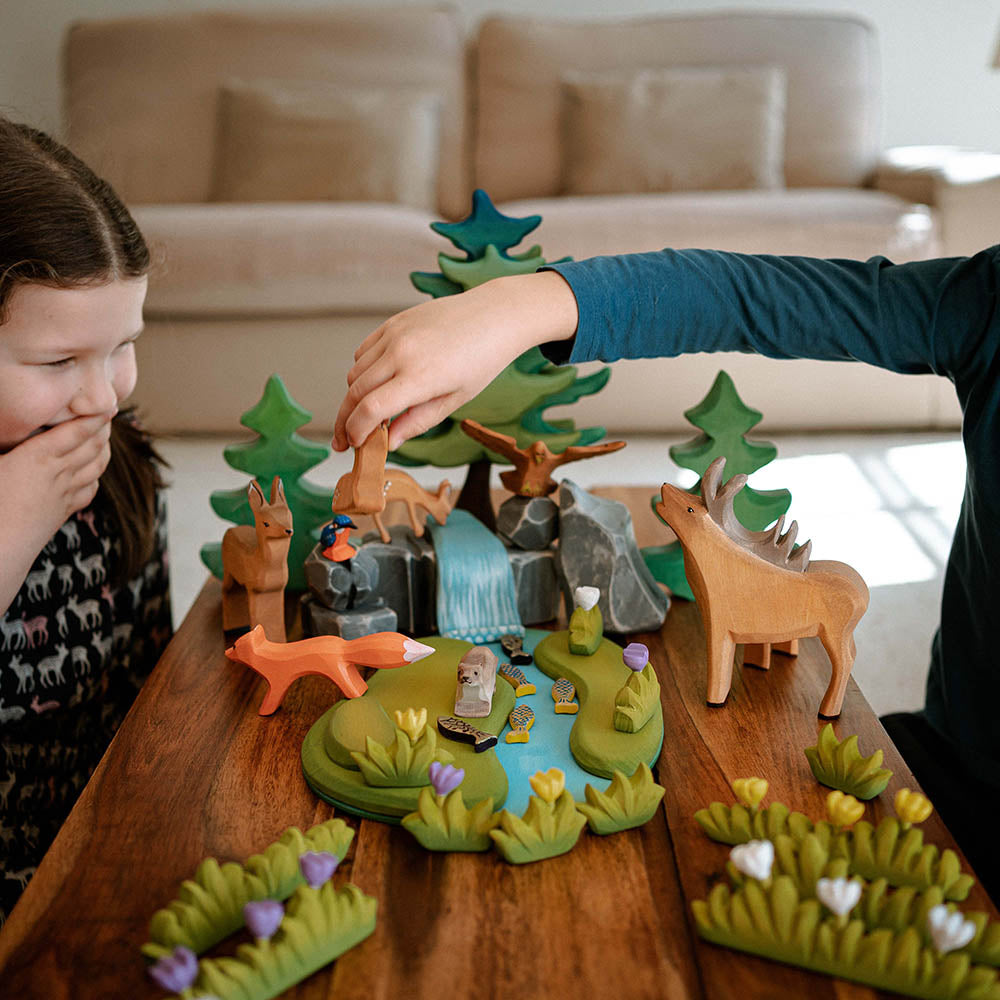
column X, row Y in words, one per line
column 752, row 588
column 255, row 565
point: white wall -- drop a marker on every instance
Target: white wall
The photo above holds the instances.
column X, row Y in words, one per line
column 936, row 54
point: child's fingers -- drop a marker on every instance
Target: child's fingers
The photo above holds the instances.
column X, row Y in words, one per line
column 369, row 342
column 418, row 419
column 67, row 437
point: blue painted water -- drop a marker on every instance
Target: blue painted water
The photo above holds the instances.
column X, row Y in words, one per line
column 548, row 739
column 476, row 600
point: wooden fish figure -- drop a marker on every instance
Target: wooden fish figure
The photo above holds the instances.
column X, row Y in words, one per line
column 564, row 695
column 517, row 678
column 521, row 719
column 459, row 729
column 513, row 647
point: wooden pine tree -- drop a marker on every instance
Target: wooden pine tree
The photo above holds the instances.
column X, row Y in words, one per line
column 277, row 451
column 514, row 403
column 724, row 421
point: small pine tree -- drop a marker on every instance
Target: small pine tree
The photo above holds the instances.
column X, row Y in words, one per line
column 278, row 451
column 724, row 420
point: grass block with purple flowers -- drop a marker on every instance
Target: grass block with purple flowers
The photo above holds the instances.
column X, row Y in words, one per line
column 445, row 823
column 319, row 925
column 637, row 700
column 209, row 906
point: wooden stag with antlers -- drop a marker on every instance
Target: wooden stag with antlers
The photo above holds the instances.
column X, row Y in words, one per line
column 255, row 565
column 751, row 587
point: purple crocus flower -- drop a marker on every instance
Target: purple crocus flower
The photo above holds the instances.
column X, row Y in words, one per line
column 263, row 917
column 635, row 655
column 318, row 867
column 176, row 971
column 444, row 777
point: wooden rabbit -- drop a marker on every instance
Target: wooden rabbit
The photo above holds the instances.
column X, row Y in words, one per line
column 400, row 486
column 255, row 565
column 752, row 588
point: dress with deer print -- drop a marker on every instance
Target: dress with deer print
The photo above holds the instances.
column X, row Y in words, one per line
column 74, row 651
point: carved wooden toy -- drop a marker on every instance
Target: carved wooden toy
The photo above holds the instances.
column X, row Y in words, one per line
column 281, row 664
column 335, row 537
column 516, row 678
column 360, row 490
column 533, row 466
column 400, row 486
column 477, row 681
column 752, row 588
column 564, row 695
column 255, row 565
column 465, row 732
column 521, row 720
column 513, row 647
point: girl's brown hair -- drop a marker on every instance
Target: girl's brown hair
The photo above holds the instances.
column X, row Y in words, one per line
column 61, row 225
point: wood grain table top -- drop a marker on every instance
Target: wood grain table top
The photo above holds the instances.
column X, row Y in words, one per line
column 196, row 772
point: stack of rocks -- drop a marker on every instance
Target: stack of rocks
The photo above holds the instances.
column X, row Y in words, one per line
column 528, row 526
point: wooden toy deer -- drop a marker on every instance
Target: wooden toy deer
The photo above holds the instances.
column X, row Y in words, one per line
column 752, row 588
column 330, row 656
column 400, row 486
column 255, row 565
column 360, row 491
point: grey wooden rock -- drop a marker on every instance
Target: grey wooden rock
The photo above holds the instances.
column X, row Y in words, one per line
column 597, row 548
column 317, row 619
column 407, row 572
column 529, row 523
column 536, row 583
column 342, row 586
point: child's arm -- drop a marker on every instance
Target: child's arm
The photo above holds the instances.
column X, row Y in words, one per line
column 427, row 361
column 45, row 480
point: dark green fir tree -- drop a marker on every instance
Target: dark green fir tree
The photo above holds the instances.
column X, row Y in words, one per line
column 277, row 451
column 724, row 421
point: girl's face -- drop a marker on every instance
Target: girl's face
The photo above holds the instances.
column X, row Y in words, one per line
column 65, row 353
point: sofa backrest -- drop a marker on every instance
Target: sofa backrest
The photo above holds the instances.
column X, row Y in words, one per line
column 830, row 64
column 142, row 92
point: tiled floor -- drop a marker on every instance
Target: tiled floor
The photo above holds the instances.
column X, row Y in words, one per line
column 885, row 503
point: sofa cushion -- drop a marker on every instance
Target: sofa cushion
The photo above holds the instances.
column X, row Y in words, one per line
column 308, row 140
column 685, row 128
column 142, row 92
column 285, row 259
column 812, row 222
column 830, row 63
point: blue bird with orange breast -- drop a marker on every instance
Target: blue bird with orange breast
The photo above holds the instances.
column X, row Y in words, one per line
column 334, row 537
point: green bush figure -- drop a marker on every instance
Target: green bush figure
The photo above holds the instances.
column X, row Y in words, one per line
column 516, row 399
column 724, row 420
column 278, row 451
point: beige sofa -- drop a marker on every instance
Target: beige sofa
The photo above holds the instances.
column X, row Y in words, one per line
column 243, row 288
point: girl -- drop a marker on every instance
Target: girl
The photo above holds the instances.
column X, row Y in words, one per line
column 940, row 316
column 84, row 606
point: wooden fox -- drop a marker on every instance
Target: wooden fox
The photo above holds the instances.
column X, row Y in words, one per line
column 751, row 587
column 400, row 486
column 255, row 564
column 283, row 663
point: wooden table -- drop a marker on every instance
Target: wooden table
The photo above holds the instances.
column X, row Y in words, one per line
column 195, row 771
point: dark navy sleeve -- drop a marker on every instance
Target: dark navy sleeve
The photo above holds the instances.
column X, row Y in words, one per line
column 917, row 317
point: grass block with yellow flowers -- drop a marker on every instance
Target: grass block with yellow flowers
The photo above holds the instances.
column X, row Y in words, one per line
column 637, row 700
column 319, row 925
column 209, row 906
column 738, row 824
column 551, row 824
column 839, row 764
column 776, row 922
column 624, row 804
column 444, row 823
column 405, row 762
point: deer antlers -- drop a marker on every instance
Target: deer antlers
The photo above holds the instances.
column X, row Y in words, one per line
column 770, row 544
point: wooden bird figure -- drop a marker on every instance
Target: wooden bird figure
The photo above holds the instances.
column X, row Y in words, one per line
column 280, row 664
column 751, row 587
column 533, row 466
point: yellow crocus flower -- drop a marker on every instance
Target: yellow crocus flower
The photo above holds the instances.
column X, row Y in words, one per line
column 412, row 722
column 750, row 791
column 548, row 785
column 911, row 806
column 843, row 810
